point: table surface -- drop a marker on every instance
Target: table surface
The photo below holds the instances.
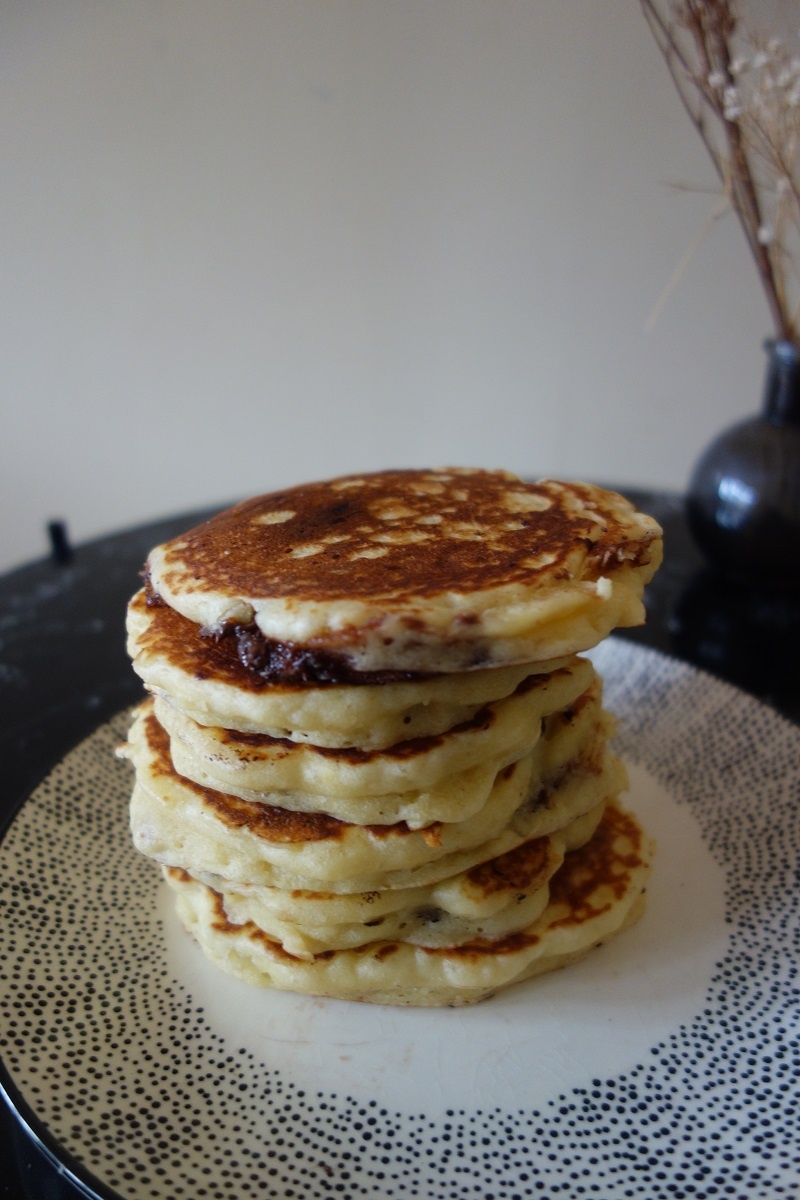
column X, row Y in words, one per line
column 64, row 671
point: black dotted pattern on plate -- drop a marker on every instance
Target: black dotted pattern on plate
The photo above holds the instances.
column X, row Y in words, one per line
column 126, row 1074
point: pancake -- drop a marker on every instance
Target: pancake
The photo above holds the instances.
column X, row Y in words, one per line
column 491, row 900
column 515, row 883
column 596, row 893
column 411, row 571
column 455, row 797
column 205, row 678
column 502, row 731
column 372, row 764
column 180, row 823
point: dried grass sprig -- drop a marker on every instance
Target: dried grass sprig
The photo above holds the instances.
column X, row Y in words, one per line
column 742, row 93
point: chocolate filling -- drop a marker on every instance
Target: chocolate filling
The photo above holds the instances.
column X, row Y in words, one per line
column 286, row 662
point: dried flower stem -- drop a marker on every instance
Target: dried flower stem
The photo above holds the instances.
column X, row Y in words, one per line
column 755, row 159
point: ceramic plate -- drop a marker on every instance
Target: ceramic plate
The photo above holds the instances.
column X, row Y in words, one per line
column 664, row 1065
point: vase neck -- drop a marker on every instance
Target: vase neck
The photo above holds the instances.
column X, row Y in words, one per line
column 782, row 389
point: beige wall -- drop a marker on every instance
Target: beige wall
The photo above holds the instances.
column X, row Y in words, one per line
column 250, row 242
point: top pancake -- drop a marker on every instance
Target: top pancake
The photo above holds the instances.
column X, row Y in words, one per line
column 414, row 571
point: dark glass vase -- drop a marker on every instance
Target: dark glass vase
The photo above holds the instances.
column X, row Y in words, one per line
column 743, row 502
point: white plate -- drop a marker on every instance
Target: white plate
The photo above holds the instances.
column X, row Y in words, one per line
column 663, row 1066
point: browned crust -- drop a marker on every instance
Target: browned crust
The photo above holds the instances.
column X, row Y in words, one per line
column 479, row 543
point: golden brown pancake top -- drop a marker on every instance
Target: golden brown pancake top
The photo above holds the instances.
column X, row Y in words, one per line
column 401, row 534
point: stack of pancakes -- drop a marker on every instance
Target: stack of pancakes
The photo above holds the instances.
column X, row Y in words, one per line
column 371, row 764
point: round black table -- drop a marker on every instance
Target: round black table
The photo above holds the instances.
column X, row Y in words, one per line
column 64, row 671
